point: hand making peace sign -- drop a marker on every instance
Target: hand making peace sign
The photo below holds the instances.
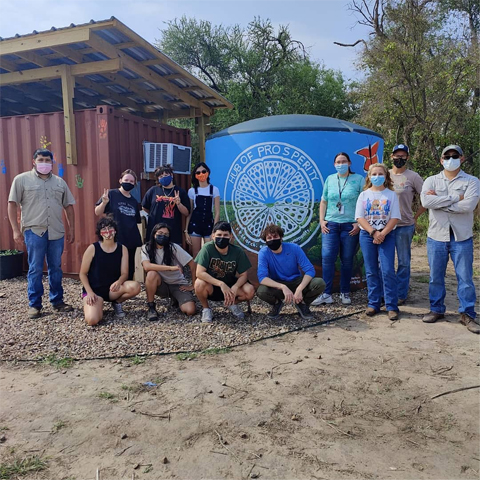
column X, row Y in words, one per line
column 176, row 199
column 105, row 198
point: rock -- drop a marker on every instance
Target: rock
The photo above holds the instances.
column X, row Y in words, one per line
column 3, row 439
column 319, row 357
column 165, row 460
column 243, row 435
column 295, row 418
column 124, row 436
column 254, row 475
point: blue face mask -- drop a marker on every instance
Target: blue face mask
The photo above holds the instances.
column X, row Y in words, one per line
column 165, row 181
column 378, row 181
column 342, row 168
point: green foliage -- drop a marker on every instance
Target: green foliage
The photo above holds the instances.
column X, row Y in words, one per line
column 58, row 363
column 216, row 351
column 421, row 63
column 20, row 467
column 108, row 396
column 57, row 426
column 136, row 360
column 4, row 253
column 186, row 356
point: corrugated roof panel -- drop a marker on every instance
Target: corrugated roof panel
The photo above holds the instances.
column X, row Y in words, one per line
column 113, row 36
column 138, row 53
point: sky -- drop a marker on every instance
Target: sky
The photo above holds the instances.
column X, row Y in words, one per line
column 316, row 23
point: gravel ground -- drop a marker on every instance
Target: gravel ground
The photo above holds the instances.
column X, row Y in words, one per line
column 67, row 335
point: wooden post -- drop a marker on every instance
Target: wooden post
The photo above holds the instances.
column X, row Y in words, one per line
column 68, row 92
column 202, row 129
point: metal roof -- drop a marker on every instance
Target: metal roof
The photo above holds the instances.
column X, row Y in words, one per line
column 145, row 81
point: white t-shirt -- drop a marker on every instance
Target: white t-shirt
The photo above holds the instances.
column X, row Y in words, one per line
column 377, row 207
column 180, row 257
column 204, row 191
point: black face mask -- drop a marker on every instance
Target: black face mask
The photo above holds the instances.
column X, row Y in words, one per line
column 127, row 186
column 162, row 240
column 399, row 162
column 274, row 244
column 221, row 242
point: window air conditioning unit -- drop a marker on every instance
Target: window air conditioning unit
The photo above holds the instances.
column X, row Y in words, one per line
column 160, row 154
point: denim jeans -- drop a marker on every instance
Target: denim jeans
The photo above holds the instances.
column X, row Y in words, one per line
column 380, row 275
column 403, row 245
column 338, row 240
column 462, row 257
column 38, row 248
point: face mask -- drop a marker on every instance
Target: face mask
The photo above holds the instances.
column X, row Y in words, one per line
column 399, row 162
column 378, row 181
column 162, row 240
column 127, row 186
column 274, row 244
column 165, row 181
column 452, row 164
column 342, row 168
column 44, row 168
column 108, row 235
column 221, row 242
column 202, row 177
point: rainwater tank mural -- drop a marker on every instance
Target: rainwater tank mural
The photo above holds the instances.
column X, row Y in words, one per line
column 272, row 170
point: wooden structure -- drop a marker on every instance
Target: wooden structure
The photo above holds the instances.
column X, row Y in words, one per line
column 99, row 63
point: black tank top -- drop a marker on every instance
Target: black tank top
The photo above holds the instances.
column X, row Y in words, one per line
column 105, row 268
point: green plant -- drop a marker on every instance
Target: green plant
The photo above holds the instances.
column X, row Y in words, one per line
column 4, row 253
column 58, row 363
column 108, row 396
column 136, row 360
column 19, row 467
column 186, row 356
column 147, row 469
column 215, row 351
column 422, row 279
column 57, row 426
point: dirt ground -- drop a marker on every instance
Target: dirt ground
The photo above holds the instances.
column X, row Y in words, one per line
column 350, row 400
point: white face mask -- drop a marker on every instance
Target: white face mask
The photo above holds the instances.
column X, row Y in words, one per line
column 451, row 165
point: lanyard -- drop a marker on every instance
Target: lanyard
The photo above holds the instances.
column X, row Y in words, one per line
column 343, row 188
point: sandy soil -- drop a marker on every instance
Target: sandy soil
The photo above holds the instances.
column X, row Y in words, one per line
column 351, row 400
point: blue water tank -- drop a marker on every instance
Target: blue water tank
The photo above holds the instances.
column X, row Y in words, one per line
column 272, row 170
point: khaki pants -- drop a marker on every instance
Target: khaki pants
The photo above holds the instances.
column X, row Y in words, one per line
column 310, row 292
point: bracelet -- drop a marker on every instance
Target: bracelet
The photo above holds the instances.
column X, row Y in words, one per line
column 372, row 233
column 185, row 231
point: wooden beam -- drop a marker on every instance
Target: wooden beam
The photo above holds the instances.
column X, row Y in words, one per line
column 34, row 58
column 70, row 53
column 173, row 76
column 201, row 130
column 68, row 92
column 106, row 92
column 154, row 61
column 164, row 59
column 47, row 73
column 126, row 45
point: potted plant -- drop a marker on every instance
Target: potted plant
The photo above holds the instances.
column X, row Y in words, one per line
column 11, row 264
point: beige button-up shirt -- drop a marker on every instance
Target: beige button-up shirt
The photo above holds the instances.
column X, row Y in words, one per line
column 42, row 202
column 446, row 210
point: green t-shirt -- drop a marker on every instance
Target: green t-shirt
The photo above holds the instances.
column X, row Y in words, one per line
column 350, row 192
column 223, row 267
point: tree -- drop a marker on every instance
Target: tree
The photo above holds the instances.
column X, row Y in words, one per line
column 262, row 71
column 420, row 86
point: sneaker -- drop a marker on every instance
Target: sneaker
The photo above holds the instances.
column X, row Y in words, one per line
column 275, row 311
column 152, row 314
column 324, row 298
column 345, row 298
column 117, row 308
column 34, row 312
column 207, row 315
column 304, row 311
column 237, row 312
column 470, row 323
column 62, row 307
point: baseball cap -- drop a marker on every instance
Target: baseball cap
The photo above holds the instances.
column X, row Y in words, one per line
column 453, row 147
column 400, row 146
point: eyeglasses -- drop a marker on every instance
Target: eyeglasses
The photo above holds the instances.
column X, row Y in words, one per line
column 199, row 172
column 448, row 157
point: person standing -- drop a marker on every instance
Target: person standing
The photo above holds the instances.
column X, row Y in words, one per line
column 406, row 184
column 286, row 275
column 222, row 273
column 451, row 196
column 204, row 200
column 42, row 197
column 166, row 203
column 339, row 228
column 126, row 212
column 377, row 213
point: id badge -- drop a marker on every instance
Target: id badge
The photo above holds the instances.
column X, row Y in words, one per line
column 341, row 210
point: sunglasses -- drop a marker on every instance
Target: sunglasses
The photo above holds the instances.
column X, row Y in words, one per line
column 448, row 157
column 200, row 172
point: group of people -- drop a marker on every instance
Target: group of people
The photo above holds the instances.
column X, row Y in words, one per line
column 374, row 213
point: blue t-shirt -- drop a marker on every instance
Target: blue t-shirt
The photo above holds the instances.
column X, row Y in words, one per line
column 285, row 265
column 350, row 192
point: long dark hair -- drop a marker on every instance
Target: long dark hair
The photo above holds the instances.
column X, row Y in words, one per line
column 169, row 250
column 347, row 157
column 195, row 181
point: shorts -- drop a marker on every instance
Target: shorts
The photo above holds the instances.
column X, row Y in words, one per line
column 217, row 294
column 203, row 229
column 103, row 292
column 166, row 290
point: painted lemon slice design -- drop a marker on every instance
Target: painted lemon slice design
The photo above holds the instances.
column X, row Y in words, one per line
column 273, row 190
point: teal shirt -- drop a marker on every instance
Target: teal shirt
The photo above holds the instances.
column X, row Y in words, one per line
column 350, row 193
